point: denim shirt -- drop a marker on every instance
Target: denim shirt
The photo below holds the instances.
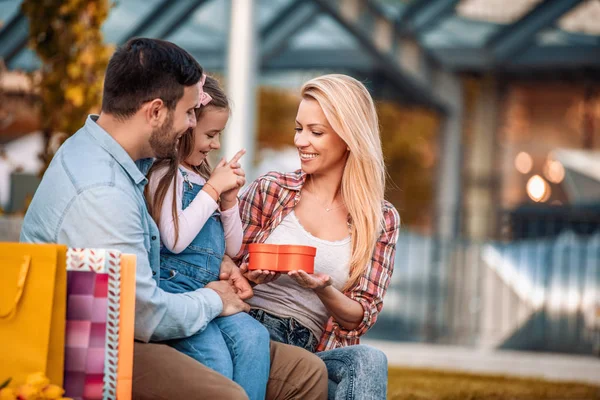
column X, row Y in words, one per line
column 92, row 195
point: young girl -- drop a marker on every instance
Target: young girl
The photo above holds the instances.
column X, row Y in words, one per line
column 197, row 214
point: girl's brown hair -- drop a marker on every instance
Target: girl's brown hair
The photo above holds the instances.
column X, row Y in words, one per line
column 185, row 149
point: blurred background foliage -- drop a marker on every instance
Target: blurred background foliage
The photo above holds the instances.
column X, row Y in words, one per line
column 68, row 40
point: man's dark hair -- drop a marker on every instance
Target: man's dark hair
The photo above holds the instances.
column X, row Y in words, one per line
column 145, row 69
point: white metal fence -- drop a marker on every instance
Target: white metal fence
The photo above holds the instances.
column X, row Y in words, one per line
column 529, row 294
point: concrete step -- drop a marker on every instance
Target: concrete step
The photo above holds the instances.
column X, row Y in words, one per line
column 550, row 366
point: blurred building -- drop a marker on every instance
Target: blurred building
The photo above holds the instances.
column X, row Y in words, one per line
column 505, row 176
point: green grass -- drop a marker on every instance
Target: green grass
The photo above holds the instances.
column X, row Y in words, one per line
column 424, row 384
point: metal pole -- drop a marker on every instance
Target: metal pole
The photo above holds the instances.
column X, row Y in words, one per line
column 242, row 68
column 449, row 179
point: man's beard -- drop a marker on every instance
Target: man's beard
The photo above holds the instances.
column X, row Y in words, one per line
column 163, row 140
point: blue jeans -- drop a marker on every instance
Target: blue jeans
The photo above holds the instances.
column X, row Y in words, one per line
column 236, row 346
column 248, row 360
column 286, row 330
column 355, row 372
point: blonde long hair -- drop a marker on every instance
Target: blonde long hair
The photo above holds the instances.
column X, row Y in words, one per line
column 351, row 112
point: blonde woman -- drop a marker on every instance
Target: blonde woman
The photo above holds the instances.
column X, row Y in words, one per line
column 336, row 204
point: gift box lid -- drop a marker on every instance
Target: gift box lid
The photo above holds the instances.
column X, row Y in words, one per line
column 282, row 249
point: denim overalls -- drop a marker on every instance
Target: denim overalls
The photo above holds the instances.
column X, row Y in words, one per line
column 200, row 262
column 236, row 346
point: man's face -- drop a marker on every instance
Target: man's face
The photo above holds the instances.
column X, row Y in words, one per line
column 165, row 139
column 162, row 139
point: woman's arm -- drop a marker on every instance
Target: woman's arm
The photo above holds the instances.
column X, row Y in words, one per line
column 367, row 292
column 370, row 288
column 256, row 204
column 347, row 312
column 251, row 216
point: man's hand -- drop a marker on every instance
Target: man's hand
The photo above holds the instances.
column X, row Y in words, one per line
column 231, row 273
column 258, row 276
column 232, row 303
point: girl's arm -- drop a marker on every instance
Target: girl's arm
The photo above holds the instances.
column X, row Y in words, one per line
column 191, row 220
column 232, row 225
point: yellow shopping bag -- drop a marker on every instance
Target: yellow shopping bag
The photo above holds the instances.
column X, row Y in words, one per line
column 32, row 310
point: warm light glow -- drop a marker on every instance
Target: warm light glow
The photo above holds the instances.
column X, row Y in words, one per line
column 554, row 171
column 538, row 189
column 523, row 162
column 498, row 11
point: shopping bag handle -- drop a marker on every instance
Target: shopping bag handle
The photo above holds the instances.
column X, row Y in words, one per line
column 20, row 286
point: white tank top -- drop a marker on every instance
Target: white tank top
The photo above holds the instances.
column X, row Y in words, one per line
column 284, row 297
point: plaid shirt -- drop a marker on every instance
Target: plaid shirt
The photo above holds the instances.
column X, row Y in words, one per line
column 270, row 198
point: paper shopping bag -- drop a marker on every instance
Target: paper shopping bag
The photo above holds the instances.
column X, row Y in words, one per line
column 99, row 281
column 126, row 327
column 32, row 311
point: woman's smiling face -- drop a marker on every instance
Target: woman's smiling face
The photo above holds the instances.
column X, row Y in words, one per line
column 320, row 148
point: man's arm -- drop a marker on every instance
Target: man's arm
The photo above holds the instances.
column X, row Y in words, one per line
column 110, row 218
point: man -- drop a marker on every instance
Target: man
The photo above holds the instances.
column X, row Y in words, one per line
column 92, row 196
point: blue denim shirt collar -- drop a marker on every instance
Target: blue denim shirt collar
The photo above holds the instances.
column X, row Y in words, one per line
column 136, row 171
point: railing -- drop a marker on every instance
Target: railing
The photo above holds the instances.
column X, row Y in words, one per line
column 540, row 294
